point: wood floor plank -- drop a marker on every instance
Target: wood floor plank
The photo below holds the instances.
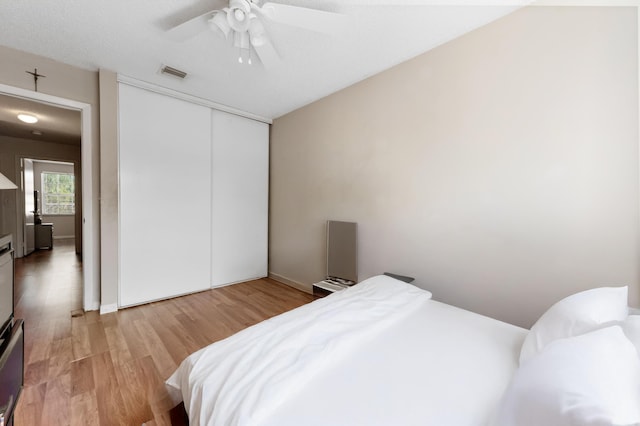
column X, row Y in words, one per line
column 84, row 409
column 97, row 338
column 158, row 398
column 30, row 405
column 43, row 335
column 118, row 347
column 159, row 352
column 60, row 357
column 80, row 342
column 92, row 369
column 171, row 341
column 62, row 328
column 131, row 380
column 36, row 372
column 57, row 402
column 111, row 408
column 191, row 336
column 134, row 341
column 154, row 383
column 82, row 376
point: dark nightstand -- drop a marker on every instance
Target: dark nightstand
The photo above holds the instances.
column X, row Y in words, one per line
column 44, row 235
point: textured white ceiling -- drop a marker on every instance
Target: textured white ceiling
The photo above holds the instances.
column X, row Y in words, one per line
column 130, row 37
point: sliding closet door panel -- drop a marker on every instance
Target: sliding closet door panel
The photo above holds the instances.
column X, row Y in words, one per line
column 240, row 198
column 165, row 196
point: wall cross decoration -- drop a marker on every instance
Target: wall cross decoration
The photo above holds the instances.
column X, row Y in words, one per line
column 35, row 75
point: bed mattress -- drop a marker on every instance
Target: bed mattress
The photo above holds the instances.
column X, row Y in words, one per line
column 440, row 366
column 415, row 362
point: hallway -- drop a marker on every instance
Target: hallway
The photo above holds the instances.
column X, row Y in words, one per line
column 49, row 287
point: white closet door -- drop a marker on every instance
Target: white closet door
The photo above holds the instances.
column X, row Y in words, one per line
column 165, row 196
column 240, row 198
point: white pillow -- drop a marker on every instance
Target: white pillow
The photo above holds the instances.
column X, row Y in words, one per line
column 574, row 315
column 592, row 379
column 631, row 328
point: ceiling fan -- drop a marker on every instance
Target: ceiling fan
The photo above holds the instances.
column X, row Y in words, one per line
column 242, row 21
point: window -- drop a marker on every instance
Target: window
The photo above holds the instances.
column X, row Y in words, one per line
column 58, row 193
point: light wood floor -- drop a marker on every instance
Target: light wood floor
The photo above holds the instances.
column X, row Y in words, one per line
column 87, row 369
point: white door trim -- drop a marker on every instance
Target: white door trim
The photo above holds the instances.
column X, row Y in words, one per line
column 91, row 288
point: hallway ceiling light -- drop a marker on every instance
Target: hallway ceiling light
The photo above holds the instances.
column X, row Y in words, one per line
column 28, row 118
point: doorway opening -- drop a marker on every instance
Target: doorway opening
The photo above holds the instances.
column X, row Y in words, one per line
column 86, row 223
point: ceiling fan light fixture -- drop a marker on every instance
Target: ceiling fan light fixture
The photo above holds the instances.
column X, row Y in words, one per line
column 248, row 17
column 28, row 118
column 220, row 23
column 241, row 40
column 242, row 5
column 238, row 15
column 257, row 33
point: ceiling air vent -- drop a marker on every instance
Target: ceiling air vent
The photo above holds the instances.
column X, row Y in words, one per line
column 172, row 71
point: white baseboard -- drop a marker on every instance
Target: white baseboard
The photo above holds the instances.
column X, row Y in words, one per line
column 236, row 282
column 107, row 309
column 291, row 283
column 63, row 237
column 93, row 306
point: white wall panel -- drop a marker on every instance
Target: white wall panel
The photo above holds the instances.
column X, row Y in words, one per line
column 165, row 196
column 240, row 198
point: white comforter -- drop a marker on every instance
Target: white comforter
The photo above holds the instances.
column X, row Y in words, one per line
column 244, row 378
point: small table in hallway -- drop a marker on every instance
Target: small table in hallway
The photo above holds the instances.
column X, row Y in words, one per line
column 44, row 235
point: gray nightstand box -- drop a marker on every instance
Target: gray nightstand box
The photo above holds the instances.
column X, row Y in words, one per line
column 44, row 235
column 342, row 263
column 328, row 286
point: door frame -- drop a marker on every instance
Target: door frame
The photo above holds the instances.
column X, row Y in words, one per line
column 26, row 249
column 90, row 229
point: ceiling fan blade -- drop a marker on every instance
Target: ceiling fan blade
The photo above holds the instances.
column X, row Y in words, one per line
column 191, row 27
column 267, row 54
column 302, row 17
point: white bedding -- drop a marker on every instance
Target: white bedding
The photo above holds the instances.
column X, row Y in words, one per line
column 243, row 379
column 440, row 366
column 400, row 360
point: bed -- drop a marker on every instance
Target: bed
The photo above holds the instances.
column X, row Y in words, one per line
column 384, row 353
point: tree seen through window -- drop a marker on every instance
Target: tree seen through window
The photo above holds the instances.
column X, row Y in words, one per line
column 58, row 193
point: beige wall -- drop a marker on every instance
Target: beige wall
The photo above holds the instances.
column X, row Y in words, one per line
column 500, row 169
column 75, row 84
